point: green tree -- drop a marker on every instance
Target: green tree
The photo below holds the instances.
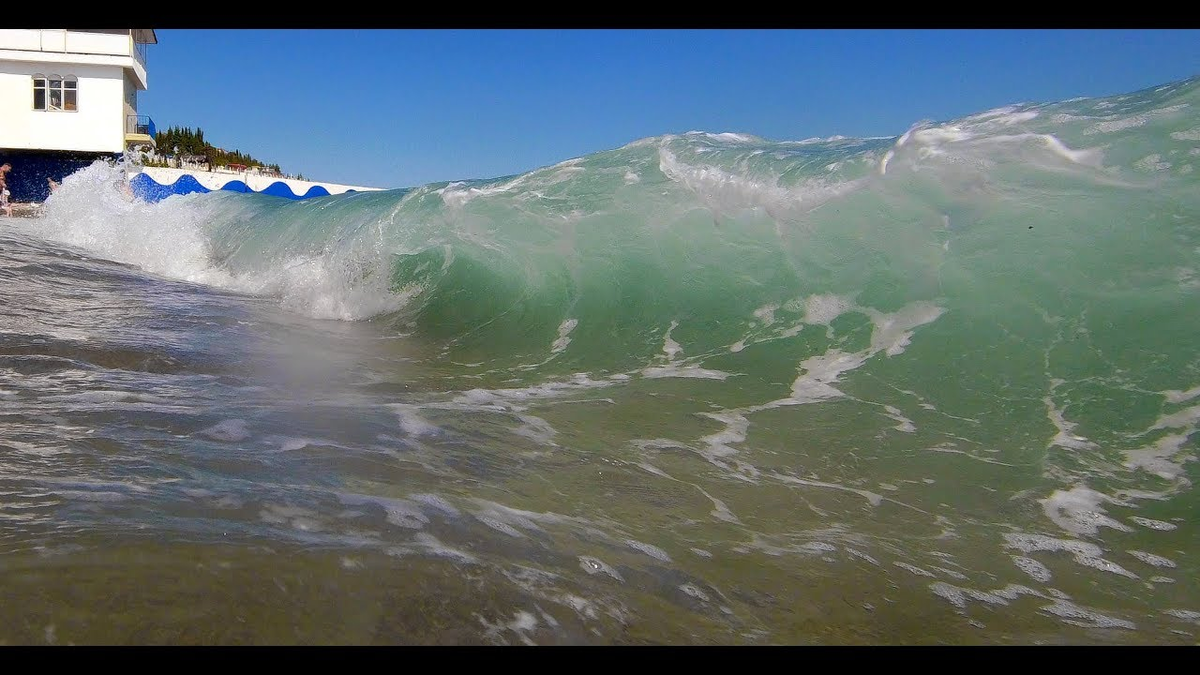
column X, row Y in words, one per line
column 187, row 141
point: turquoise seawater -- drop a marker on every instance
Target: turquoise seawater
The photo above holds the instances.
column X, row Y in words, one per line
column 940, row 388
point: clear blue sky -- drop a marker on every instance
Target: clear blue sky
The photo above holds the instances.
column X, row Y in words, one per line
column 398, row 108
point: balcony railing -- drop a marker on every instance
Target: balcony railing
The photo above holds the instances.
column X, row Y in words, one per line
column 140, row 124
column 139, row 53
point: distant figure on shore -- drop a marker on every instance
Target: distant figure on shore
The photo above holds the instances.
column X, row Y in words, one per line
column 4, row 193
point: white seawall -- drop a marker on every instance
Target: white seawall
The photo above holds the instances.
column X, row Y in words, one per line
column 216, row 180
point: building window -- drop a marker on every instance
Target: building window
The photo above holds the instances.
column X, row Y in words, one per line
column 55, row 93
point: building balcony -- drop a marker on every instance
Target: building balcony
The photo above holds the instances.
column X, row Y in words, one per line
column 139, row 130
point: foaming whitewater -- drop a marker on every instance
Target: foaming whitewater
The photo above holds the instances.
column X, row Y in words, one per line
column 938, row 388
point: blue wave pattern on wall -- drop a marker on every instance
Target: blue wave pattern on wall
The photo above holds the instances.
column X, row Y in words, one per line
column 148, row 189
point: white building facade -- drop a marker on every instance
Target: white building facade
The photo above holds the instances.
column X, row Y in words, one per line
column 70, row 95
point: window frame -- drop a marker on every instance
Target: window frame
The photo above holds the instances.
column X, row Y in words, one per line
column 63, row 87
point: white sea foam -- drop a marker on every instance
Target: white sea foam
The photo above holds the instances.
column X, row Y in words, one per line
column 457, row 194
column 671, row 347
column 1116, row 123
column 400, row 512
column 694, row 591
column 1105, row 566
column 1185, row 614
column 1182, row 419
column 1064, row 437
column 521, row 623
column 516, row 399
column 1080, row 616
column 693, row 372
column 873, row 498
column 720, row 444
column 905, row 425
column 958, row 595
column 822, row 309
column 500, row 526
column 818, row 547
column 891, row 335
column 1160, row 525
column 1109, row 126
column 433, row 546
column 1156, row 458
column 720, row 510
column 859, row 554
column 411, row 422
column 292, row 444
column 914, row 569
column 1152, row 162
column 436, row 503
column 819, row 374
column 536, row 429
column 977, row 144
column 1152, row 559
column 766, row 314
column 894, row 331
column 1179, row 396
column 1002, row 116
column 230, row 431
column 87, row 496
column 649, row 549
column 1084, row 553
column 887, row 157
column 564, row 330
column 493, row 514
column 81, row 213
column 1078, row 510
column 1033, row 568
column 596, row 566
column 1192, row 134
column 346, row 283
column 727, row 192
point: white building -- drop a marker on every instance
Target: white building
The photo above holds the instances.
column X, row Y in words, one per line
column 69, row 96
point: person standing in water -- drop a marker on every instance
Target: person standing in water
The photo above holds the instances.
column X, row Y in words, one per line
column 4, row 193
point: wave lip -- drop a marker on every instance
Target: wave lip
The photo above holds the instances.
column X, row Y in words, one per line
column 602, row 250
